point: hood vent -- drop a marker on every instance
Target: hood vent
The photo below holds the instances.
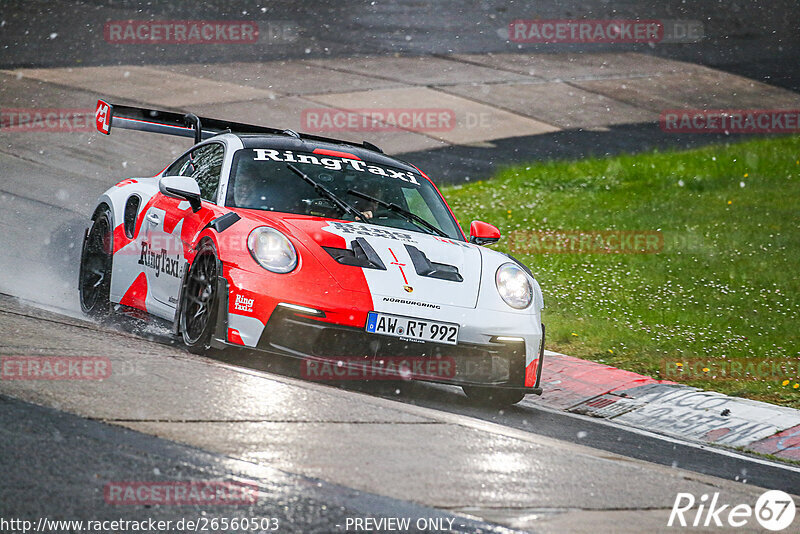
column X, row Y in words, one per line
column 431, row 269
column 361, row 255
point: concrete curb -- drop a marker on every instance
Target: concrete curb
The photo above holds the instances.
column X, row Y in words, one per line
column 665, row 407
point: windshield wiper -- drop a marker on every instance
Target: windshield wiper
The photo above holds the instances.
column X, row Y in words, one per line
column 411, row 217
column 324, row 191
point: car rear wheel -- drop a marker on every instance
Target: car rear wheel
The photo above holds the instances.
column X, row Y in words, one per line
column 94, row 278
column 493, row 397
column 199, row 305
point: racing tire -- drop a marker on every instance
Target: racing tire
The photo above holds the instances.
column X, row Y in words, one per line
column 94, row 276
column 493, row 397
column 198, row 311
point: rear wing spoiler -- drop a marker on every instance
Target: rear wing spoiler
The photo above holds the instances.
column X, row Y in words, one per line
column 109, row 116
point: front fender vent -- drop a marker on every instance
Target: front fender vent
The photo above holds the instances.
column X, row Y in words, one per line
column 131, row 212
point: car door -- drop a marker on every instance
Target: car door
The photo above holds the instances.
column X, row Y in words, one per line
column 171, row 223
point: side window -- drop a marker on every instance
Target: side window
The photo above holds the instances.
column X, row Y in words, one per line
column 206, row 166
column 180, row 167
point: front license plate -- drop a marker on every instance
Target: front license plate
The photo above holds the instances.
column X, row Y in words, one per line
column 408, row 327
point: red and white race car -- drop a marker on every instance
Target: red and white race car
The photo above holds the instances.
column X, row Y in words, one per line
column 272, row 241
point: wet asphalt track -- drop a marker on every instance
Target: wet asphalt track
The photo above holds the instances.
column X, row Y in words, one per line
column 755, row 39
column 77, row 456
column 351, row 444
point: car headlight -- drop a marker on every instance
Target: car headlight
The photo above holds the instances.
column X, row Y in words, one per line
column 514, row 286
column 272, row 250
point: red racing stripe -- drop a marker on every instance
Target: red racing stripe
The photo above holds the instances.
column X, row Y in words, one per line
column 136, row 295
column 234, row 336
column 530, row 373
column 335, row 154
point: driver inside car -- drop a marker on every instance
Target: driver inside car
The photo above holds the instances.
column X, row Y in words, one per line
column 368, row 207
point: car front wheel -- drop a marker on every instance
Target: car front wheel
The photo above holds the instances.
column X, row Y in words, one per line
column 199, row 307
column 94, row 278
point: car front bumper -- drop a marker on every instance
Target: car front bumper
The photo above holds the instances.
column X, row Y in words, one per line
column 342, row 352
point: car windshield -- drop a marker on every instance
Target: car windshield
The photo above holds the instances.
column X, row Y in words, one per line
column 261, row 179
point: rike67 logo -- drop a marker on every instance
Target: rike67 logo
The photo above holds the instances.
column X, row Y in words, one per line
column 774, row 510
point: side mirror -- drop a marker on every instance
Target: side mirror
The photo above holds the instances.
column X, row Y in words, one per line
column 181, row 187
column 482, row 233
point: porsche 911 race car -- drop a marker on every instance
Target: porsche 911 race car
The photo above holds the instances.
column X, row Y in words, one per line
column 271, row 241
